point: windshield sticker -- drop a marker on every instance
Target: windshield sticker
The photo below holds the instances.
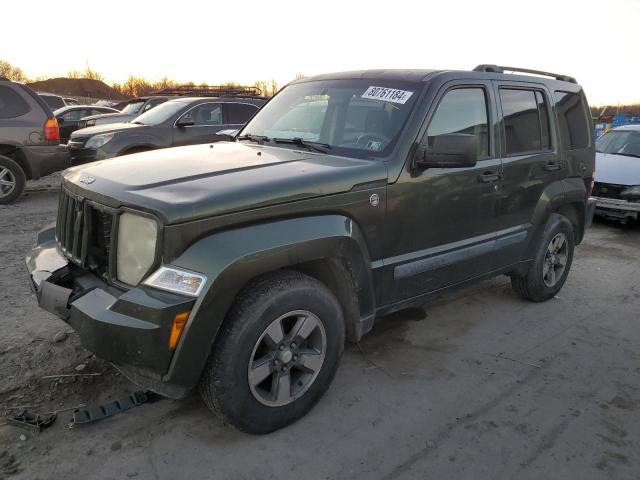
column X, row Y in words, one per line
column 374, row 146
column 387, row 94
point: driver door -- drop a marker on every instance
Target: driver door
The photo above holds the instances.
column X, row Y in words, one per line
column 440, row 221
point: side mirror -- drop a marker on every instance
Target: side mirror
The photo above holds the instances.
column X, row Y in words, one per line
column 229, row 134
column 185, row 122
column 450, row 150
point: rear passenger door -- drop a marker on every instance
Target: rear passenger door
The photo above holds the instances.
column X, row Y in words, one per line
column 530, row 162
column 207, row 119
column 237, row 114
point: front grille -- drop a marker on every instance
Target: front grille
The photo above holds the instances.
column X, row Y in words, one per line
column 84, row 232
column 608, row 190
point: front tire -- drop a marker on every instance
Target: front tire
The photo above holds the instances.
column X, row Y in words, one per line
column 12, row 180
column 552, row 262
column 276, row 353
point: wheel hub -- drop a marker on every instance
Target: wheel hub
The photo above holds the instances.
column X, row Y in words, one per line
column 285, row 356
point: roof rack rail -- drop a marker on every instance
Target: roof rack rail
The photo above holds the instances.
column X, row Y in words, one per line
column 209, row 91
column 502, row 69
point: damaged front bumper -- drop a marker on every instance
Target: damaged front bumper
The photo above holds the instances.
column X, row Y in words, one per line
column 617, row 209
column 130, row 328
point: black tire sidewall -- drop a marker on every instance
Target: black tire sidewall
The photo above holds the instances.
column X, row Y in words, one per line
column 231, row 356
column 18, row 173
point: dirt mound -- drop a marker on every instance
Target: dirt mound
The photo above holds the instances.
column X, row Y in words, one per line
column 78, row 87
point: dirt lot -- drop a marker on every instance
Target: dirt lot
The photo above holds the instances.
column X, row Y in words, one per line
column 484, row 385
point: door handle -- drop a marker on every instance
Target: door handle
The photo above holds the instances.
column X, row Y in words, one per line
column 552, row 167
column 489, row 177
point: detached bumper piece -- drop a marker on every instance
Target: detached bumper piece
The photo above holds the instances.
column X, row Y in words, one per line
column 32, row 421
column 128, row 328
column 82, row 416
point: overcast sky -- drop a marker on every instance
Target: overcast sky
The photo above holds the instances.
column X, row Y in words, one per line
column 598, row 42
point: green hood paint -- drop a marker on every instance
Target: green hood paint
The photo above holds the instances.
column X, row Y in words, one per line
column 201, row 181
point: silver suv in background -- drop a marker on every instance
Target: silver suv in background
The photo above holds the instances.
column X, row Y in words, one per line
column 134, row 107
column 29, row 139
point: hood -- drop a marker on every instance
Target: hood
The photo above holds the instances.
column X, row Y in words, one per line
column 201, row 181
column 109, row 116
column 108, row 128
column 617, row 169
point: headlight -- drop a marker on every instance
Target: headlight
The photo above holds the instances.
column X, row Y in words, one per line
column 99, row 140
column 137, row 237
column 177, row 280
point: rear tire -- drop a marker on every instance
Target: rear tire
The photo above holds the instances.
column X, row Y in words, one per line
column 12, row 180
column 552, row 262
column 276, row 353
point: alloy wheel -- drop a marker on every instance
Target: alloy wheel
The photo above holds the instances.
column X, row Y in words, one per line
column 7, row 182
column 287, row 358
column 555, row 260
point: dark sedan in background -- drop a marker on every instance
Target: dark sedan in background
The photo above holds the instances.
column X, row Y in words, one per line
column 180, row 121
column 69, row 117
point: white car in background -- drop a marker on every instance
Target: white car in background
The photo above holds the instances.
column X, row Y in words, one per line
column 617, row 178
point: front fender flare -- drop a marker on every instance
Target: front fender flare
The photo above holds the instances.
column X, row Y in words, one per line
column 232, row 258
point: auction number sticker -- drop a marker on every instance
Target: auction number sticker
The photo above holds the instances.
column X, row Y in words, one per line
column 387, row 94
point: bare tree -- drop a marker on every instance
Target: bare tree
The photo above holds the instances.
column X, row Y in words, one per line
column 12, row 73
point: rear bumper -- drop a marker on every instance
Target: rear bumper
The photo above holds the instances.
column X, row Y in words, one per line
column 128, row 328
column 46, row 159
column 615, row 208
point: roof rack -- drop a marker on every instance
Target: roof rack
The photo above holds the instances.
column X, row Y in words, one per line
column 502, row 69
column 209, row 91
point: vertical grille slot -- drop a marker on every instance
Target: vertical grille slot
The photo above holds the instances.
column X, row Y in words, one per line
column 71, row 228
column 84, row 231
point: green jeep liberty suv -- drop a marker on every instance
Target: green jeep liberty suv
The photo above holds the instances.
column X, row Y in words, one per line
column 242, row 267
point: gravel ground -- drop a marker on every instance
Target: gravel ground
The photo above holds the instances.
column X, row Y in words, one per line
column 480, row 385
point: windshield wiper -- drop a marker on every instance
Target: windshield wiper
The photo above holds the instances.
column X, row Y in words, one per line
column 317, row 146
column 138, row 123
column 254, row 138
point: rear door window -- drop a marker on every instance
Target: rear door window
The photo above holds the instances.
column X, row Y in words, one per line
column 239, row 113
column 12, row 105
column 526, row 121
column 572, row 119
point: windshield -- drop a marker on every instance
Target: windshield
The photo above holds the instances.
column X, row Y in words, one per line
column 619, row 142
column 361, row 118
column 133, row 107
column 159, row 114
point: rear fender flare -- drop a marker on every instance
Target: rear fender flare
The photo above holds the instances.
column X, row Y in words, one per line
column 551, row 199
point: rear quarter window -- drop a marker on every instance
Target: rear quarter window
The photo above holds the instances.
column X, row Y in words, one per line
column 572, row 120
column 12, row 105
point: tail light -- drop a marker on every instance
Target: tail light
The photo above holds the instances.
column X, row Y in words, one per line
column 51, row 130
